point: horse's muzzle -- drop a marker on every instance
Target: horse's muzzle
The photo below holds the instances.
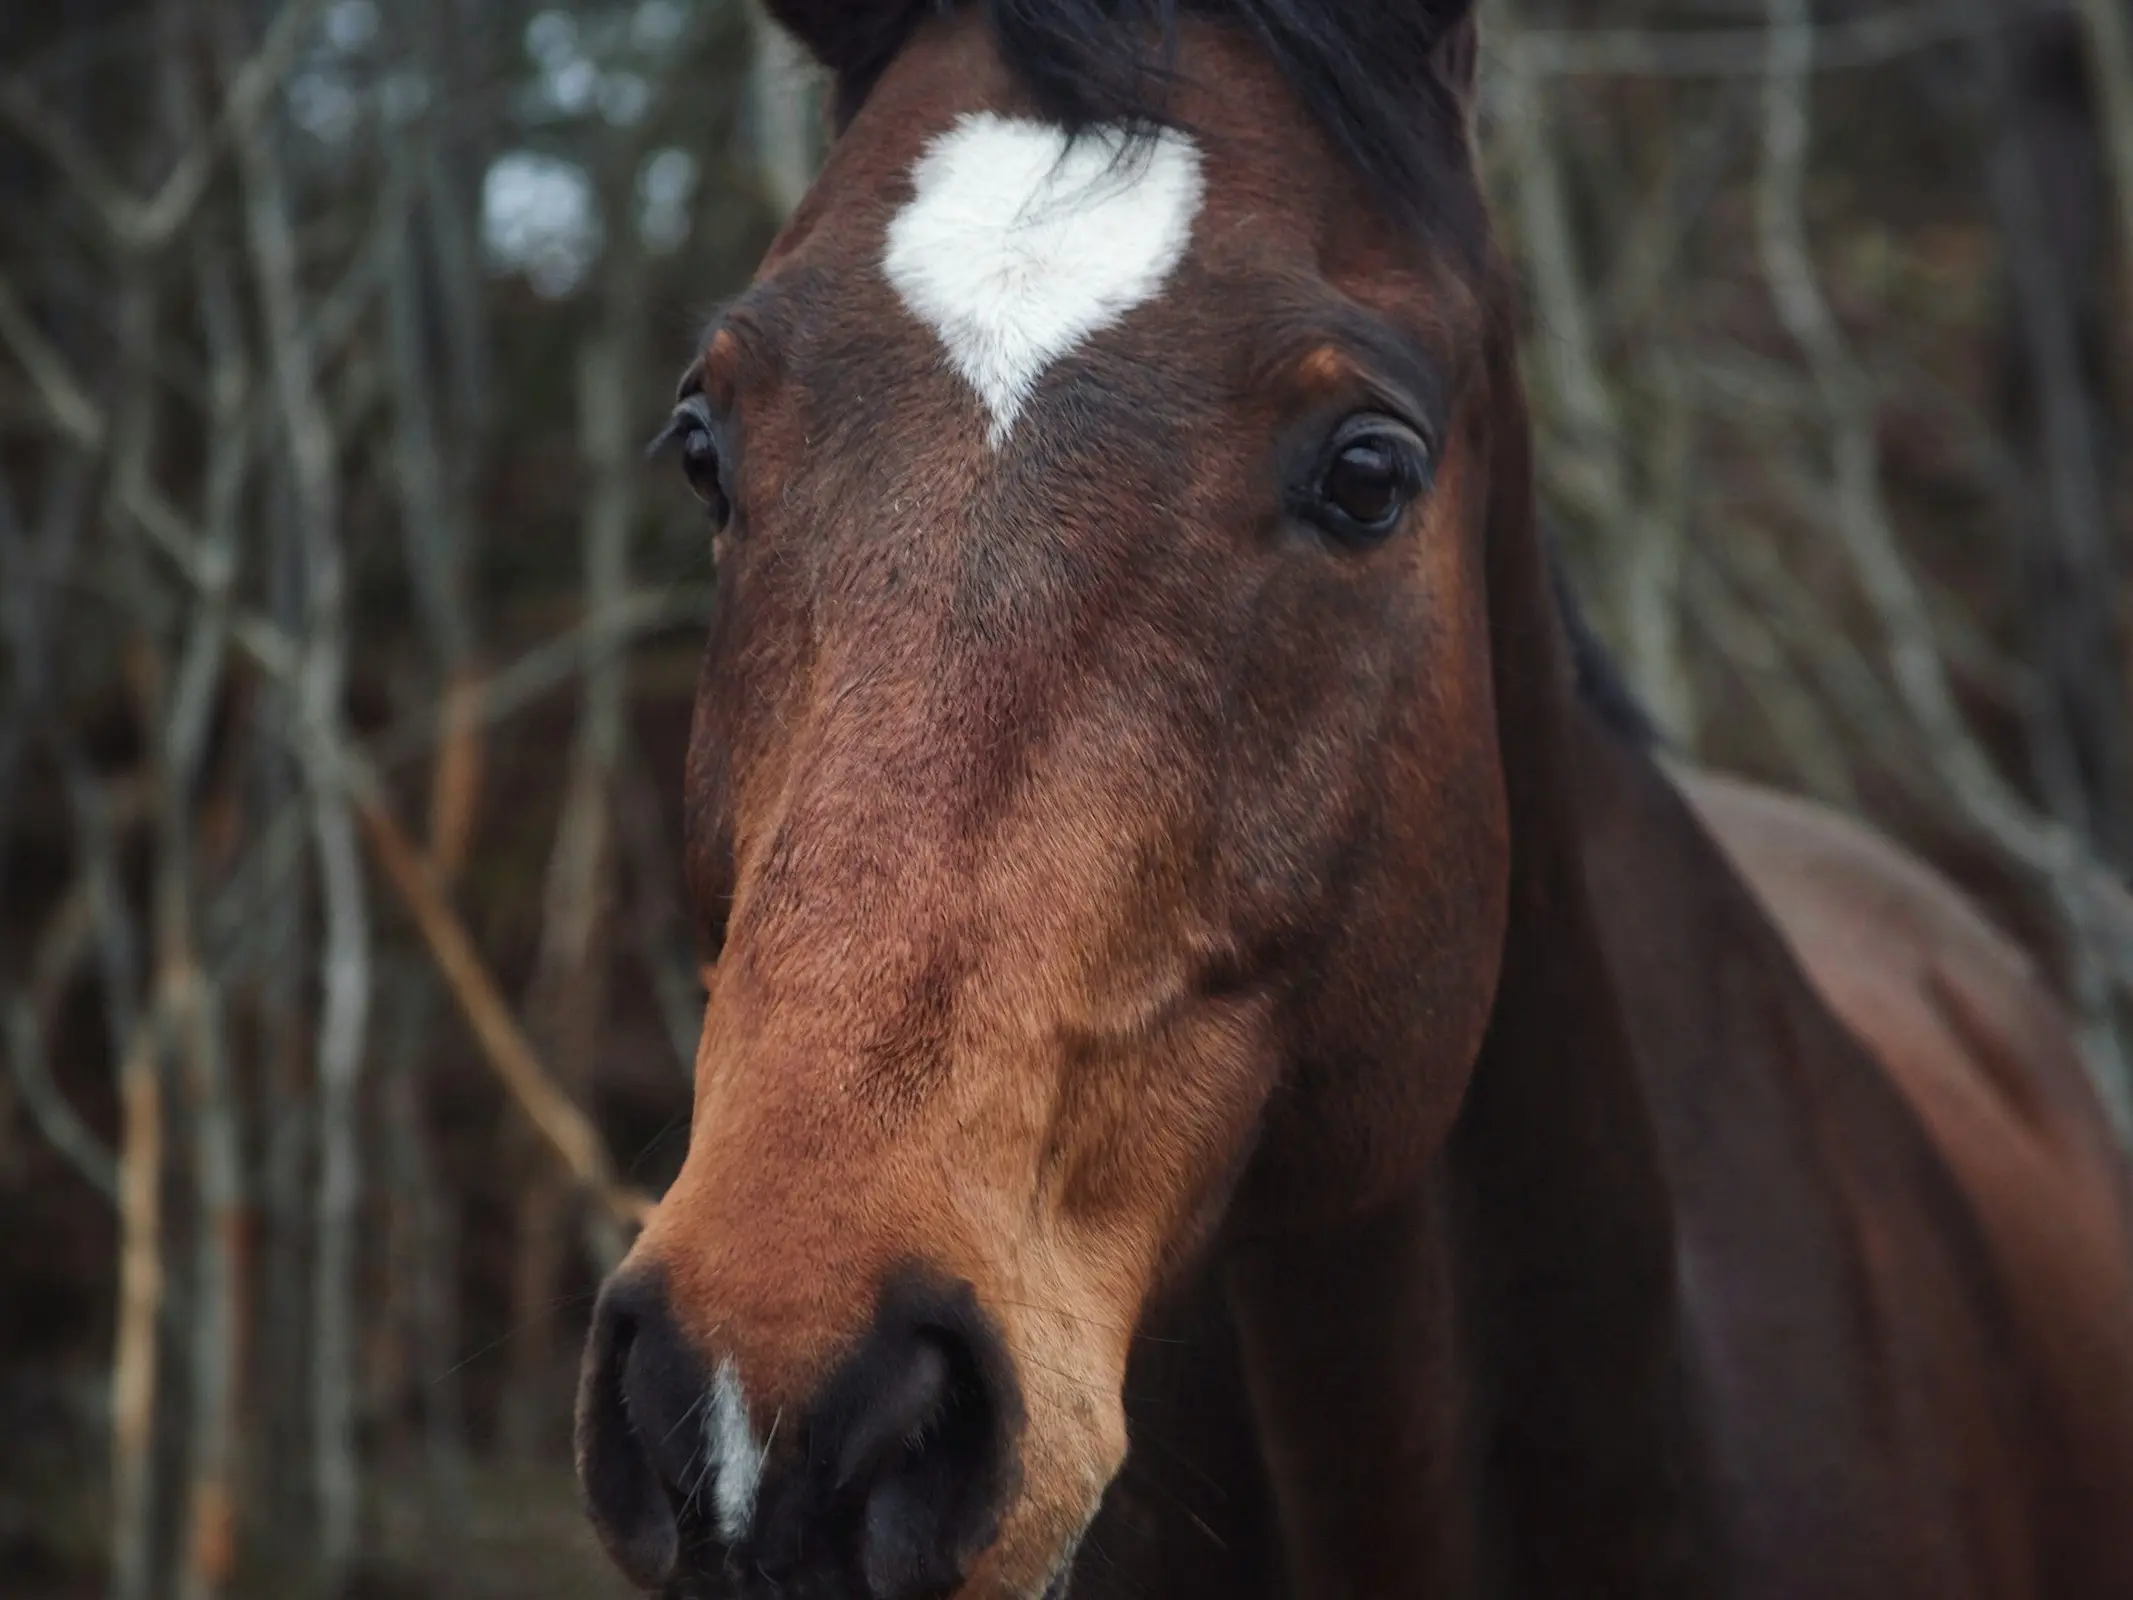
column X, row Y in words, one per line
column 889, row 1487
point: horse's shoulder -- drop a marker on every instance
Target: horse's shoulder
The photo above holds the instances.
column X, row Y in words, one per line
column 1968, row 1030
column 1948, row 1003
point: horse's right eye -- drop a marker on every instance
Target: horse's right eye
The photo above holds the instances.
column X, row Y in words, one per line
column 700, row 463
column 695, row 431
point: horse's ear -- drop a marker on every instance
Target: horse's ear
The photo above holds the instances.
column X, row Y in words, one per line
column 1457, row 55
column 853, row 38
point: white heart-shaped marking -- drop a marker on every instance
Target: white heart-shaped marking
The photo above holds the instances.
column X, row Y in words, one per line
column 1020, row 243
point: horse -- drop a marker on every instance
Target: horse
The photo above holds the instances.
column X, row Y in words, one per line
column 1227, row 1072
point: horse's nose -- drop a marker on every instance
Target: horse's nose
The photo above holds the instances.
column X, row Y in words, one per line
column 887, row 1488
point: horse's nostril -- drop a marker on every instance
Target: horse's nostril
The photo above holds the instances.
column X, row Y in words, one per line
column 897, row 1420
column 927, row 1453
column 639, row 1380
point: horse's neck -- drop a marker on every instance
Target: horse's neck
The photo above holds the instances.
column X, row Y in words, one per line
column 1482, row 1389
column 1479, row 1388
column 1350, row 1341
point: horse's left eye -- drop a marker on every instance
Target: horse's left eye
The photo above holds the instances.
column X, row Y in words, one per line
column 1373, row 471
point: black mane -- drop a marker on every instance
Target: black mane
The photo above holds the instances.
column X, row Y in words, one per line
column 1601, row 687
column 1382, row 77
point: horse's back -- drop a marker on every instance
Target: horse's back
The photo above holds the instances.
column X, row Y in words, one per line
column 1973, row 1040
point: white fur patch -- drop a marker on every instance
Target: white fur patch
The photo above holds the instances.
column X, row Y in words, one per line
column 733, row 1446
column 1018, row 245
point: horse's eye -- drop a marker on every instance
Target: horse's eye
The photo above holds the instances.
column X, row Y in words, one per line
column 699, row 462
column 693, row 431
column 1373, row 472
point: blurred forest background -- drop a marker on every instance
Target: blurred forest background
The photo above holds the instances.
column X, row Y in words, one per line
column 347, row 643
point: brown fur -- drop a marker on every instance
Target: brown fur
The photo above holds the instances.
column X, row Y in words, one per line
column 1158, row 919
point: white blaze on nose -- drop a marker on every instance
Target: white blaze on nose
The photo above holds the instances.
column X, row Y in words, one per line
column 736, row 1453
column 1019, row 244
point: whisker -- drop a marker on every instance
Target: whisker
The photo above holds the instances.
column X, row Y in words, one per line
column 554, row 1307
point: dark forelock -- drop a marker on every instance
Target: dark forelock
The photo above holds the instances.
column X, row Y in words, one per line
column 1374, row 74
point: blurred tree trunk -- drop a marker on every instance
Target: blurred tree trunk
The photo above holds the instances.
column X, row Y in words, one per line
column 136, row 1375
column 141, row 1402
column 285, row 1507
column 430, row 290
column 2048, row 185
column 218, row 1288
column 439, row 366
column 308, row 438
column 570, row 986
column 2107, row 27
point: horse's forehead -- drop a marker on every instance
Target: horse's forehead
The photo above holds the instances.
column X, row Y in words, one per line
column 1019, row 243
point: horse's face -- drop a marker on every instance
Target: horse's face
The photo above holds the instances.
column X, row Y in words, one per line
column 1094, row 781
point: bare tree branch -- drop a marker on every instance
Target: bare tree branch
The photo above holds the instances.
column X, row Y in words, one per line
column 58, row 1121
column 66, row 402
column 143, row 227
column 1588, row 465
column 281, row 658
column 565, row 1129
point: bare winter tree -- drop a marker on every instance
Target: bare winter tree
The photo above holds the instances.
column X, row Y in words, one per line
column 255, row 453
column 1726, row 459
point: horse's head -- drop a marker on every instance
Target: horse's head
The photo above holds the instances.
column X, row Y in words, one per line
column 1094, row 794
